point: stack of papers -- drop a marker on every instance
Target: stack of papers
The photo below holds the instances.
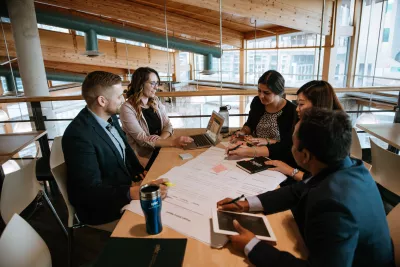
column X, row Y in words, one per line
column 199, row 184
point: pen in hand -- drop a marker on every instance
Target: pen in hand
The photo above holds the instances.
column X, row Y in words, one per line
column 231, row 149
column 234, row 200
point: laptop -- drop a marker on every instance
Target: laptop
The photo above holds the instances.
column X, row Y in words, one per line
column 210, row 138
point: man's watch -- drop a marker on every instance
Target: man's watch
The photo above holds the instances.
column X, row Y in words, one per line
column 295, row 170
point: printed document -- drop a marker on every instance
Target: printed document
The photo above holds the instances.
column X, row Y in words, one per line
column 199, row 184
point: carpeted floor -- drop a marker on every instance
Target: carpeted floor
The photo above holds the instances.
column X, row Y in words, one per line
column 88, row 242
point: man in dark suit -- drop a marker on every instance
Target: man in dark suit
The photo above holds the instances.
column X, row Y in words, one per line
column 103, row 171
column 338, row 210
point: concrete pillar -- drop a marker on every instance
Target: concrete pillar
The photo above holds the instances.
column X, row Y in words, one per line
column 27, row 43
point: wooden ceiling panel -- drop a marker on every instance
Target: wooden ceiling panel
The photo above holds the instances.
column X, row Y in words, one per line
column 59, row 47
column 231, row 21
column 304, row 15
column 151, row 18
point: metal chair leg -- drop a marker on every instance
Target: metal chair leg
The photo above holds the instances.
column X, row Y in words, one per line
column 77, row 219
column 55, row 213
column 70, row 245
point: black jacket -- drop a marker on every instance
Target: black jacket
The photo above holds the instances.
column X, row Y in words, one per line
column 286, row 122
column 98, row 180
column 340, row 216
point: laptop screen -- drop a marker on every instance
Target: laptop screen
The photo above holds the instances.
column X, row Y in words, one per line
column 214, row 126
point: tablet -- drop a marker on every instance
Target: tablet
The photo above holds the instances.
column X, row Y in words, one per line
column 258, row 224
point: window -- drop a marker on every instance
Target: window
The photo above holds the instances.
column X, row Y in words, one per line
column 18, row 83
column 161, row 48
column 345, row 13
column 268, row 42
column 103, row 37
column 342, row 54
column 52, row 28
column 389, row 7
column 56, row 83
column 184, row 66
column 230, row 67
column 300, row 40
column 6, row 20
column 379, row 43
column 386, row 33
column 119, row 40
column 4, row 83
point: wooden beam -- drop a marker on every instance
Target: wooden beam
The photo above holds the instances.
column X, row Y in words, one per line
column 81, row 68
column 303, row 15
column 242, row 64
column 58, row 47
column 152, row 18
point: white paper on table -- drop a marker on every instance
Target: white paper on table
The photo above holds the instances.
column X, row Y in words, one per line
column 197, row 226
column 187, row 208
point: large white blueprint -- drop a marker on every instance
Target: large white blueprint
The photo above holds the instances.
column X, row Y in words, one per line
column 187, row 208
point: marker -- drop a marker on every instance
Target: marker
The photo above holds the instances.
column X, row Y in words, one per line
column 169, row 184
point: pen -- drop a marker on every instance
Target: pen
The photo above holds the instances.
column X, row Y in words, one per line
column 234, row 148
column 234, row 200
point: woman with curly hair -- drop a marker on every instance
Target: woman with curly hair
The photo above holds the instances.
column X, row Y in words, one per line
column 145, row 120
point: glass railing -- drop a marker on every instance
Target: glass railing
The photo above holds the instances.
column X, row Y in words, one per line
column 184, row 112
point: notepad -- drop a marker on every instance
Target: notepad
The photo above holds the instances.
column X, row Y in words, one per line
column 142, row 252
column 254, row 165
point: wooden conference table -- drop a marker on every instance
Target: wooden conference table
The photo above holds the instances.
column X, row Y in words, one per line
column 387, row 132
column 198, row 253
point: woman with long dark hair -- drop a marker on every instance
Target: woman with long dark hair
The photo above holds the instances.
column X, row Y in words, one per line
column 312, row 94
column 271, row 121
column 144, row 118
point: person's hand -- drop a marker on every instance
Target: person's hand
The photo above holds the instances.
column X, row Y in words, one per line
column 261, row 141
column 182, row 141
column 280, row 166
column 237, row 134
column 240, row 241
column 134, row 191
column 154, row 137
column 231, row 146
column 241, row 206
column 142, row 175
column 163, row 187
column 242, row 151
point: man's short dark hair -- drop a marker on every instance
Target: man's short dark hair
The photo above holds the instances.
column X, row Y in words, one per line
column 326, row 134
column 98, row 83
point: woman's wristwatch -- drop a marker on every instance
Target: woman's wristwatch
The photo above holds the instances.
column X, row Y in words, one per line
column 295, row 170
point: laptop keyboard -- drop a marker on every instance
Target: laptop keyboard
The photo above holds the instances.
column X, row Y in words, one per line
column 200, row 140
